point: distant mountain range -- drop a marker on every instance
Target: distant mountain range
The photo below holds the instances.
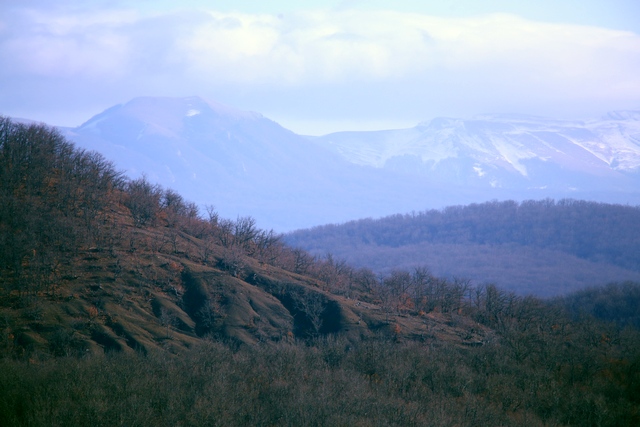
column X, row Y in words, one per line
column 506, row 151
column 241, row 162
column 248, row 165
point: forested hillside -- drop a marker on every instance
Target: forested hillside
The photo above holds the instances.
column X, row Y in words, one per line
column 618, row 303
column 542, row 247
column 122, row 304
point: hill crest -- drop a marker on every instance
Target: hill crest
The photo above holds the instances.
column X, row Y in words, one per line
column 91, row 261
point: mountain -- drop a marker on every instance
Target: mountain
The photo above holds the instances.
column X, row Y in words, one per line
column 506, row 151
column 210, row 153
column 247, row 165
column 243, row 163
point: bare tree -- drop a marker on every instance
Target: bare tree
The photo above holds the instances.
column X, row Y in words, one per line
column 268, row 246
column 244, row 232
column 302, row 261
column 312, row 305
column 174, row 206
column 399, row 284
column 233, row 260
column 167, row 319
column 365, row 280
column 212, row 215
column 143, row 201
column 224, row 232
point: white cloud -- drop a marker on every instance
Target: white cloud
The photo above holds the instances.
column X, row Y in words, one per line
column 60, row 24
column 324, row 46
column 103, row 56
column 83, row 45
column 339, row 46
column 395, row 62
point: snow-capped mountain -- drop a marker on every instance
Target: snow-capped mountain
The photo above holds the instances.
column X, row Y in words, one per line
column 245, row 164
column 242, row 163
column 505, row 151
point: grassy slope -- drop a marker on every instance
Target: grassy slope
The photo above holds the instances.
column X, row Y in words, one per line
column 143, row 299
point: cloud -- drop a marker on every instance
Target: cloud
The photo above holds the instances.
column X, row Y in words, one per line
column 320, row 46
column 52, row 45
column 494, row 61
column 337, row 47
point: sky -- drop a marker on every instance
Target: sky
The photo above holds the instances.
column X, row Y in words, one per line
column 318, row 67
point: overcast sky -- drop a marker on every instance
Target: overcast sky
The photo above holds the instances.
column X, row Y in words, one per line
column 322, row 66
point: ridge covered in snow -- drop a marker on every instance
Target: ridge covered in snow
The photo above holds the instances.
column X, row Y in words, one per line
column 497, row 147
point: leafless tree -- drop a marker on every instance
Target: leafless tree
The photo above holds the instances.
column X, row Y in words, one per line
column 143, row 201
column 312, row 305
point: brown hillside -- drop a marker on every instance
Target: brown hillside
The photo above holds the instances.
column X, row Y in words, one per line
column 137, row 296
column 92, row 262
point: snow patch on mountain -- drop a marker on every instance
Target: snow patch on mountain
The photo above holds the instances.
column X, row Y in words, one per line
column 508, row 142
column 479, row 170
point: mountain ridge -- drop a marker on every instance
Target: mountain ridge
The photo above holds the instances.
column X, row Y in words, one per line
column 487, row 144
column 247, row 164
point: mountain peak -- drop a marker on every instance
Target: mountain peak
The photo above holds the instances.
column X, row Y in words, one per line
column 170, row 112
column 191, row 106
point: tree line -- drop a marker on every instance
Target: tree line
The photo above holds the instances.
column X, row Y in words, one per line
column 56, row 199
column 53, row 200
column 589, row 230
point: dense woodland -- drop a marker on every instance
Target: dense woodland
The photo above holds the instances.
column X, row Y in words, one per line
column 568, row 241
column 123, row 304
column 586, row 229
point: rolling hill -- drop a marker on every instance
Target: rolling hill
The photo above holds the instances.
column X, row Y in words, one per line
column 91, row 261
column 543, row 248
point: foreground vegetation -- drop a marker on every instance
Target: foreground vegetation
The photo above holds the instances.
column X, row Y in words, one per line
column 121, row 305
column 332, row 382
column 545, row 363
